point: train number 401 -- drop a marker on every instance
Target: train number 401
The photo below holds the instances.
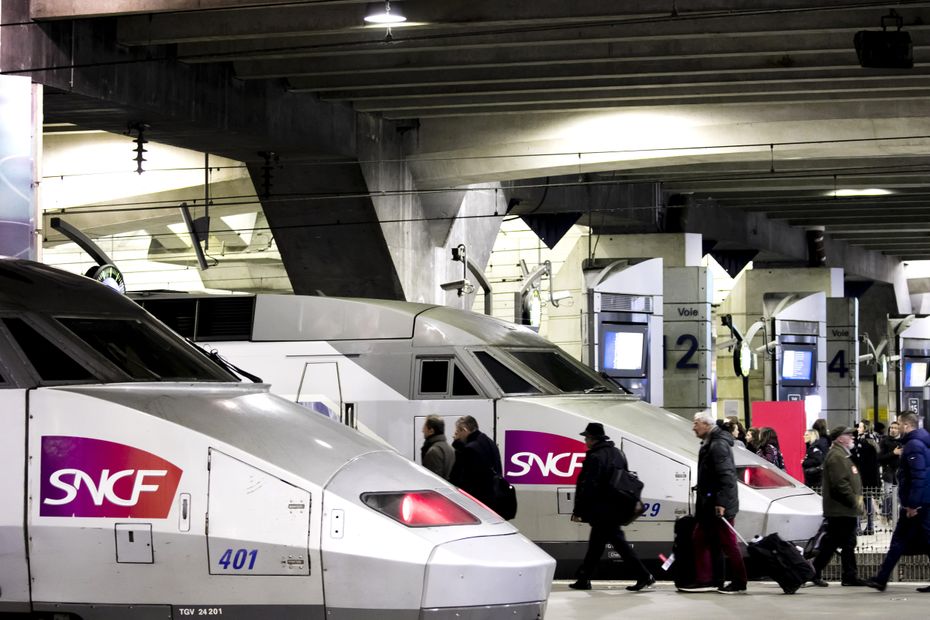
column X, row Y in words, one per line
column 238, row 558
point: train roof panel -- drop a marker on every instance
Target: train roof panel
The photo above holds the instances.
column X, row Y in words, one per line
column 27, row 285
column 443, row 326
column 299, row 317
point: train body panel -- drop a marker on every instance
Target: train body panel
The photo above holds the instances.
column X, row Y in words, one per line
column 146, row 497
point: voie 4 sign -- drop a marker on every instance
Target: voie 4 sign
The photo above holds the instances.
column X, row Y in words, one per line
column 532, row 457
column 84, row 477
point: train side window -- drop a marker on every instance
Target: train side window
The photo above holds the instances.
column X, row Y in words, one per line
column 509, row 381
column 461, row 386
column 434, row 376
column 48, row 360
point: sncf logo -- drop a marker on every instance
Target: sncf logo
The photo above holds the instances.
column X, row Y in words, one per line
column 83, row 477
column 542, row 458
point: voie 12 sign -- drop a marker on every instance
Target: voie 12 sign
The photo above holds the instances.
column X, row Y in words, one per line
column 532, row 457
column 84, row 477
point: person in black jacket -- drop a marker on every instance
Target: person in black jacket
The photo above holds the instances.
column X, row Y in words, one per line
column 717, row 499
column 865, row 456
column 813, row 460
column 477, row 461
column 594, row 505
column 889, row 456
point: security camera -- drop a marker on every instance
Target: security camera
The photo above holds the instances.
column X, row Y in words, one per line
column 462, row 286
column 458, row 252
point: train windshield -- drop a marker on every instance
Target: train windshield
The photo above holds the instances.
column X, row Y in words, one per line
column 561, row 372
column 142, row 352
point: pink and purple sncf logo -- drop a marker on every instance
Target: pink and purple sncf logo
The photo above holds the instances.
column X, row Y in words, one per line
column 83, row 477
column 532, row 457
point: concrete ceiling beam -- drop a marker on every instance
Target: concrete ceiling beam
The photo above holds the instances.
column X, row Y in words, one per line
column 71, row 9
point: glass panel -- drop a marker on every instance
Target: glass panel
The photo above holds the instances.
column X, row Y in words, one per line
column 558, row 371
column 461, row 386
column 508, row 380
column 49, row 361
column 434, row 376
column 143, row 353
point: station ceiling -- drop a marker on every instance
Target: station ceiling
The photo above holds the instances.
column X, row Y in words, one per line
column 758, row 105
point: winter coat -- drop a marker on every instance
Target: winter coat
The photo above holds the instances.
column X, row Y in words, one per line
column 813, row 465
column 593, row 499
column 772, row 454
column 437, row 455
column 888, row 460
column 842, row 486
column 865, row 456
column 477, row 460
column 716, row 477
column 913, row 474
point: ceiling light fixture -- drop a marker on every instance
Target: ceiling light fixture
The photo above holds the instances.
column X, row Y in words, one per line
column 847, row 193
column 382, row 14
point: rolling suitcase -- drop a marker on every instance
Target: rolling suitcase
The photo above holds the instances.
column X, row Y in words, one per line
column 780, row 560
column 683, row 567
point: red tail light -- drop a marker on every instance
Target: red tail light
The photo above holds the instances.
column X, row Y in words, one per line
column 420, row 508
column 762, row 478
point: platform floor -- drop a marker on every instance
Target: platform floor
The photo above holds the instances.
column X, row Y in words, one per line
column 609, row 599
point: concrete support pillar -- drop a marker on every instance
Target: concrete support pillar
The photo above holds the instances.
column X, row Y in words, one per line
column 842, row 405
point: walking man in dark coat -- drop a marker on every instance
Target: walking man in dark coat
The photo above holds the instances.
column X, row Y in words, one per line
column 477, row 461
column 842, row 506
column 913, row 528
column 717, row 499
column 594, row 505
column 436, row 454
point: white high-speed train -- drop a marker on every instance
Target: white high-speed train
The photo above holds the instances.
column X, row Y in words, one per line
column 386, row 365
column 142, row 480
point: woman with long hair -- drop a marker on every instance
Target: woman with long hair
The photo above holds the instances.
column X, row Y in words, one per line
column 813, row 460
column 767, row 447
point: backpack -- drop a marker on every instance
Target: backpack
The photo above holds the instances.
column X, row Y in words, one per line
column 627, row 490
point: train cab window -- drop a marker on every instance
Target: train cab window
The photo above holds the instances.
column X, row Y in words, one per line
column 558, row 371
column 437, row 375
column 434, row 376
column 508, row 380
column 48, row 360
column 141, row 352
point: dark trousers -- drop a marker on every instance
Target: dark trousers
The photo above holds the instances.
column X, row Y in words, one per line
column 601, row 534
column 909, row 533
column 711, row 537
column 840, row 534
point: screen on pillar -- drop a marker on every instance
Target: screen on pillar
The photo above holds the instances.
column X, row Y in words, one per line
column 915, row 372
column 798, row 365
column 623, row 349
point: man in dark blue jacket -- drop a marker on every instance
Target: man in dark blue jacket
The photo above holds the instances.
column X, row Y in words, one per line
column 913, row 528
column 717, row 499
column 477, row 461
column 594, row 505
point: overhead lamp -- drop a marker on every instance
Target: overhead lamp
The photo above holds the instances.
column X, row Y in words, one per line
column 382, row 14
column 852, row 193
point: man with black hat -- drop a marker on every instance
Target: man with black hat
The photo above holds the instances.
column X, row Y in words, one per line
column 593, row 505
column 842, row 505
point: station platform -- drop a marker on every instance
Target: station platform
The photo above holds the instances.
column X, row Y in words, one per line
column 609, row 599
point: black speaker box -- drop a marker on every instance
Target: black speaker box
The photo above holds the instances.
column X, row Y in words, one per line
column 884, row 49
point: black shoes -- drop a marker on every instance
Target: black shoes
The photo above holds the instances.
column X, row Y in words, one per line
column 732, row 588
column 581, row 584
column 925, row 589
column 855, row 582
column 641, row 584
column 820, row 583
column 878, row 585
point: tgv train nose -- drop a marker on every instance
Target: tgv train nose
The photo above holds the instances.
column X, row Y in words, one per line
column 507, row 575
column 796, row 517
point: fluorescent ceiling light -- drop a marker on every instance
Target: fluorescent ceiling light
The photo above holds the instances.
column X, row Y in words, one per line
column 846, row 193
column 382, row 14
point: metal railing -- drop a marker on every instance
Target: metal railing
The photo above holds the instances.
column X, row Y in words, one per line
column 875, row 529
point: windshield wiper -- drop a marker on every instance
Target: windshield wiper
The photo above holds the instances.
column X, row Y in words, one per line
column 598, row 389
column 229, row 367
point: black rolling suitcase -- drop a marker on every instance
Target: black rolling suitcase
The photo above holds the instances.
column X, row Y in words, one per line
column 683, row 568
column 780, row 560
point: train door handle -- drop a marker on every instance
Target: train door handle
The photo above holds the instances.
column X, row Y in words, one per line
column 184, row 516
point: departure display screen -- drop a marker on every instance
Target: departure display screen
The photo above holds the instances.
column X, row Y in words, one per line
column 915, row 373
column 798, row 365
column 623, row 348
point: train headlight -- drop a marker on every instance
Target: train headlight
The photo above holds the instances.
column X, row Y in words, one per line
column 762, row 478
column 419, row 508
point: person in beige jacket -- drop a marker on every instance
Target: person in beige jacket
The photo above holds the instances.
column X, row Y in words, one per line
column 842, row 504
